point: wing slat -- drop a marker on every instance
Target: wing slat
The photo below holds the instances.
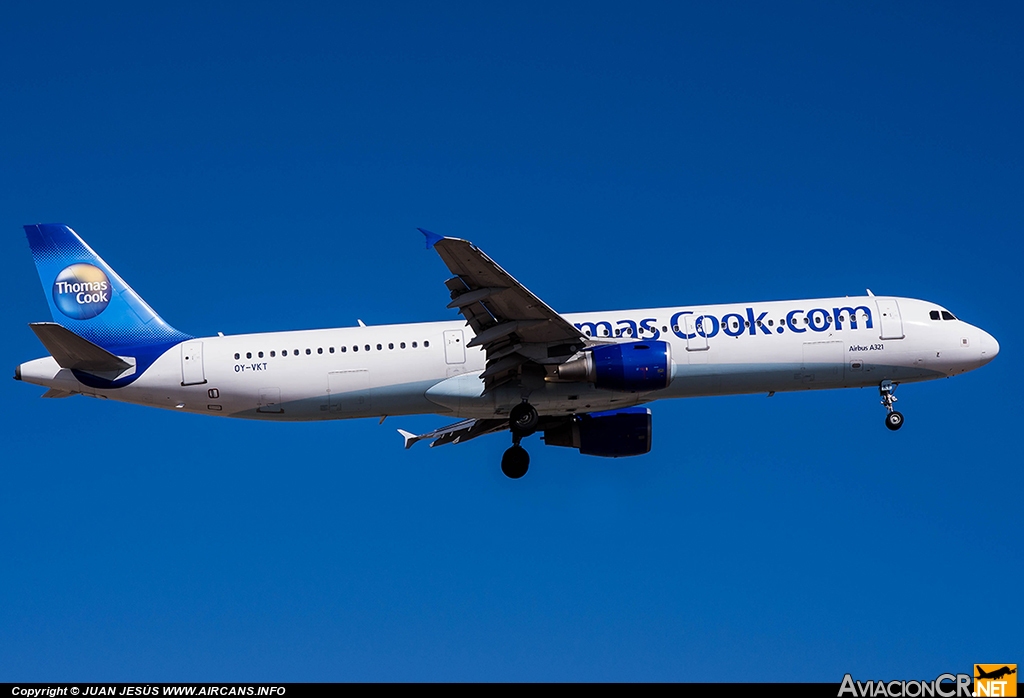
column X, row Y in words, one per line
column 504, row 315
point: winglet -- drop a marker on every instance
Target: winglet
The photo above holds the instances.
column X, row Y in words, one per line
column 432, row 238
column 410, row 439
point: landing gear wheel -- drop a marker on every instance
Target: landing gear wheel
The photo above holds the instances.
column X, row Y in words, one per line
column 894, row 420
column 515, row 462
column 523, row 419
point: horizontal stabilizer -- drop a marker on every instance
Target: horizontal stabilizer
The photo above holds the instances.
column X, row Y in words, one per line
column 56, row 392
column 409, row 437
column 74, row 352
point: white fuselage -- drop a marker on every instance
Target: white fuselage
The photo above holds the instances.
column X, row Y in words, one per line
column 426, row 368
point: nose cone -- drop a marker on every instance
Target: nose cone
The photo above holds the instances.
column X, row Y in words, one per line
column 989, row 347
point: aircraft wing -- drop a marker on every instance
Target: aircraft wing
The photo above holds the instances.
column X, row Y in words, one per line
column 456, row 433
column 514, row 327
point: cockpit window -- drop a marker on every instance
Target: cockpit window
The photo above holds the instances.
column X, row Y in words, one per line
column 946, row 315
column 934, row 315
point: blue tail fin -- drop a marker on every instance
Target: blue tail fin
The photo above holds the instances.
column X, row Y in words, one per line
column 88, row 297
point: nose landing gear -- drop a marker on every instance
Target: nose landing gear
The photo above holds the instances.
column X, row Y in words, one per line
column 522, row 421
column 893, row 419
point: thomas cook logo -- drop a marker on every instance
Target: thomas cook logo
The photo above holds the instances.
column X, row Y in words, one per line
column 81, row 291
column 995, row 680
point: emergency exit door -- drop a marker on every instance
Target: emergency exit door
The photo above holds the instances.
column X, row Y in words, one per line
column 454, row 347
column 192, row 364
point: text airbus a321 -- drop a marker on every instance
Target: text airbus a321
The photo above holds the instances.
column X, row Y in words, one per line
column 512, row 363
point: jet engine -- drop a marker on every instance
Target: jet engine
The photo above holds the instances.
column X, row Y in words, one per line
column 629, row 366
column 615, row 434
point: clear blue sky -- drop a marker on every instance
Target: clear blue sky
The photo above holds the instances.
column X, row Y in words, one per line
column 263, row 166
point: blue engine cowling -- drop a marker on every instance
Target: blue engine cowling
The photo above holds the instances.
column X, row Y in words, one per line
column 627, row 366
column 614, row 434
column 633, row 366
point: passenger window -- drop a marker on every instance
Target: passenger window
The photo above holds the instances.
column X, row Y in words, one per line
column 675, row 328
column 426, row 343
column 665, row 329
column 319, row 350
column 402, row 345
column 618, row 333
column 237, row 355
column 344, row 349
column 355, row 347
column 296, row 352
column 770, row 323
column 260, row 355
column 273, row 354
column 414, row 345
column 391, row 345
column 308, row 352
column 367, row 347
column 248, row 354
column 330, row 349
column 946, row 315
column 934, row 315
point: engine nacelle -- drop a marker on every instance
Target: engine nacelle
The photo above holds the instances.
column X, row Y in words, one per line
column 629, row 366
column 614, row 434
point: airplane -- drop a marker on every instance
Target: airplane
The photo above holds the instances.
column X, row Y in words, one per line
column 582, row 380
column 995, row 674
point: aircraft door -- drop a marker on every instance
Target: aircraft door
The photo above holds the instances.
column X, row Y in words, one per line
column 348, row 391
column 270, row 401
column 697, row 342
column 697, row 338
column 192, row 372
column 823, row 362
column 889, row 318
column 454, row 347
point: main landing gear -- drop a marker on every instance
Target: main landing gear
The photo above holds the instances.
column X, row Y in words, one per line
column 893, row 419
column 522, row 421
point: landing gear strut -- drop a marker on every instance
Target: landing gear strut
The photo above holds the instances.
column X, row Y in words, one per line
column 893, row 419
column 522, row 421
